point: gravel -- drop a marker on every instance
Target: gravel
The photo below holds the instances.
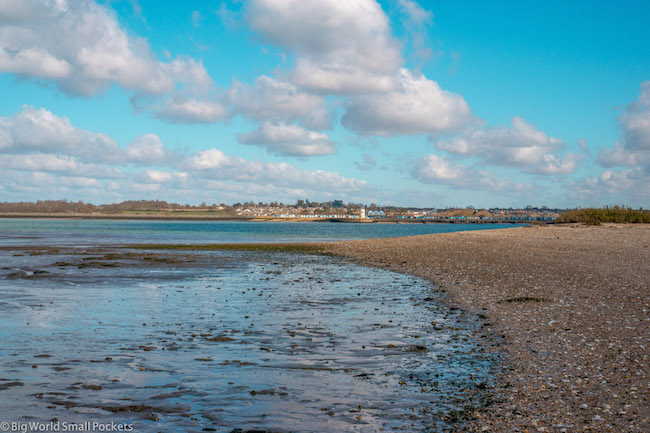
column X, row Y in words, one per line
column 567, row 305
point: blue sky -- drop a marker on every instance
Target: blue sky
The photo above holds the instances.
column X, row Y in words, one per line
column 398, row 102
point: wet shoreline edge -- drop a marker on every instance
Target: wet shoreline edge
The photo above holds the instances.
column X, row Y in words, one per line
column 560, row 299
column 569, row 304
column 103, row 256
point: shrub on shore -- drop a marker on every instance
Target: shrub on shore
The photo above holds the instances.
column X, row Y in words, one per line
column 614, row 214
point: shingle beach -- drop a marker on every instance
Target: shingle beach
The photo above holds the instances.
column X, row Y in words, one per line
column 568, row 305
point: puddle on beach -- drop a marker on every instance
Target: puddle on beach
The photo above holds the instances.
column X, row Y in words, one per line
column 220, row 341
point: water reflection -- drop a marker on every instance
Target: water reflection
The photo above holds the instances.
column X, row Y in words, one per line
column 225, row 340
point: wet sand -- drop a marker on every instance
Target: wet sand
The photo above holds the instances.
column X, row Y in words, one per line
column 570, row 306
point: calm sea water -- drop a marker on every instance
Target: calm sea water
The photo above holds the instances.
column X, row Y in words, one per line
column 90, row 232
column 225, row 340
column 222, row 341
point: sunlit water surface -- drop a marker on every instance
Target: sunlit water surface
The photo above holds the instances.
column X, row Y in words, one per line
column 92, row 232
column 220, row 341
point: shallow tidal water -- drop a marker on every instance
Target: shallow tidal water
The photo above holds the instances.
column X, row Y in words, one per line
column 220, row 341
column 72, row 232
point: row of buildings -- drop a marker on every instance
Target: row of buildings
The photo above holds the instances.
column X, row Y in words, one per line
column 532, row 214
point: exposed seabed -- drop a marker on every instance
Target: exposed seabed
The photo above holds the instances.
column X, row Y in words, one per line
column 225, row 340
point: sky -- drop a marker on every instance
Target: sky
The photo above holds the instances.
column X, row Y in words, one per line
column 395, row 102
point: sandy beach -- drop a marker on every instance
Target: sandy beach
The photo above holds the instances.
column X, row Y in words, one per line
column 569, row 307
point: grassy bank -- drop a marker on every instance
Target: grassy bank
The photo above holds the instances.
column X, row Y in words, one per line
column 597, row 216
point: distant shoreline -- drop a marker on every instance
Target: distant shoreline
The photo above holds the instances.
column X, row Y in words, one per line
column 150, row 217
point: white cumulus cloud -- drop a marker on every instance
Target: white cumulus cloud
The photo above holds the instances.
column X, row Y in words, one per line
column 41, row 135
column 637, row 130
column 278, row 101
column 618, row 155
column 636, row 122
column 290, row 140
column 214, row 164
column 81, row 47
column 146, row 148
column 191, row 110
column 40, row 130
column 417, row 106
column 434, row 169
column 523, row 146
column 68, row 165
column 159, row 177
column 633, row 149
column 340, row 46
column 613, row 187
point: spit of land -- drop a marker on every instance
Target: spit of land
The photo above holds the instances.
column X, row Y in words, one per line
column 569, row 306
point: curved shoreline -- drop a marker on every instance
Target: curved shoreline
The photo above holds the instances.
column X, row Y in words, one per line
column 571, row 304
column 232, row 342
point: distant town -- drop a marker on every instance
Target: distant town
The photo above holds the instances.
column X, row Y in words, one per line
column 301, row 210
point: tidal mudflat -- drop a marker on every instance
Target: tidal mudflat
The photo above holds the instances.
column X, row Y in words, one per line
column 226, row 340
